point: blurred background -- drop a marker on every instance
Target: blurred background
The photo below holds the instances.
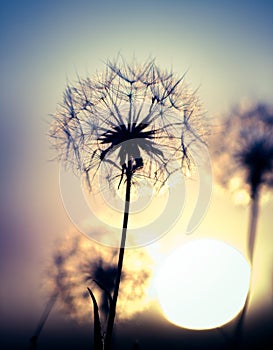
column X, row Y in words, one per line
column 226, row 48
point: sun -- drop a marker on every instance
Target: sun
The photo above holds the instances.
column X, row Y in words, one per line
column 203, row 284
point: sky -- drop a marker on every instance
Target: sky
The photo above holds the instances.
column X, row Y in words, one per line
column 226, row 48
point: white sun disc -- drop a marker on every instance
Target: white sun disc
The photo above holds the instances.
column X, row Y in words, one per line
column 203, row 284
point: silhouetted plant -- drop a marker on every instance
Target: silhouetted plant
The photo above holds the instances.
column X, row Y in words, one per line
column 131, row 120
column 78, row 262
column 243, row 151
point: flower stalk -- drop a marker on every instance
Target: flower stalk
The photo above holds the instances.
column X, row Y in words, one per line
column 112, row 311
column 254, row 213
column 43, row 319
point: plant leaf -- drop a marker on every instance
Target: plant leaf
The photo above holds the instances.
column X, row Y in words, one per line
column 98, row 345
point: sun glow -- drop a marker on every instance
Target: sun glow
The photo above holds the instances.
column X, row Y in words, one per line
column 203, row 284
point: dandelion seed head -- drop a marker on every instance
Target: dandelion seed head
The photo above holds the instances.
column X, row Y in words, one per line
column 82, row 262
column 243, row 150
column 130, row 112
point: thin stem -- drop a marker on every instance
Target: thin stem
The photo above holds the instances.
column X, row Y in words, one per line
column 252, row 229
column 43, row 319
column 237, row 338
column 112, row 311
column 253, row 224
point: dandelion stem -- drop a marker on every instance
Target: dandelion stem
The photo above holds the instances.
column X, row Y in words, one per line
column 253, row 224
column 43, row 319
column 254, row 210
column 237, row 338
column 112, row 311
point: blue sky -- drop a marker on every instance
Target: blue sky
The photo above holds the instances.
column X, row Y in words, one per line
column 226, row 47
